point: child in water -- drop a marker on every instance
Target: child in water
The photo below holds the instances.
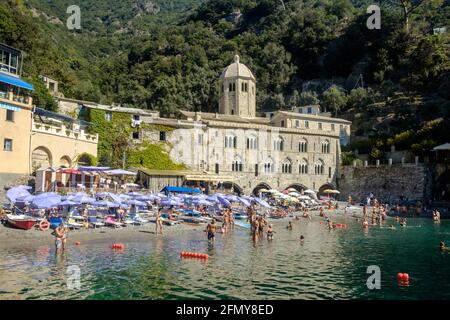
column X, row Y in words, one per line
column 270, row 232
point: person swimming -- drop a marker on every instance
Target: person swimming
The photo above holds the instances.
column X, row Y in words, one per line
column 302, row 239
column 289, row 226
column 403, row 222
column 443, row 247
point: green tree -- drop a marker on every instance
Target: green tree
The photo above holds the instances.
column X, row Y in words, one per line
column 334, row 99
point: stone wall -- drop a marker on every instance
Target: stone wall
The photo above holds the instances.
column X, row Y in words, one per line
column 388, row 183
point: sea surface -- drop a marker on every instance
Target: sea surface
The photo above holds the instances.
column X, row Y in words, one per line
column 331, row 264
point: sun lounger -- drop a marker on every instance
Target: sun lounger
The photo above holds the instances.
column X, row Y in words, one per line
column 113, row 223
column 72, row 224
column 95, row 223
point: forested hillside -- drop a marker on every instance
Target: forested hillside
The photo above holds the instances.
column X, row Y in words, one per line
column 393, row 82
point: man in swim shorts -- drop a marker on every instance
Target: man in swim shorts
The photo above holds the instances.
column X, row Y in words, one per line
column 211, row 230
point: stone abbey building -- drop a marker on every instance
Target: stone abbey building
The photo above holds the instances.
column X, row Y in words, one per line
column 235, row 146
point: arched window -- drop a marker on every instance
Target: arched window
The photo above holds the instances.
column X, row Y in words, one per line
column 319, row 167
column 286, row 166
column 278, row 144
column 252, row 143
column 269, row 166
column 303, row 167
column 303, row 145
column 325, row 145
column 230, row 141
column 237, row 165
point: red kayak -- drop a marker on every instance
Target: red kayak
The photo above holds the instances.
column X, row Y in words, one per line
column 21, row 221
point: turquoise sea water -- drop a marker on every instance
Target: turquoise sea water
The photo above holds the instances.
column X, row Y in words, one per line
column 329, row 265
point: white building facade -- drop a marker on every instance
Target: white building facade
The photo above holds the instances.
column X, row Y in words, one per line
column 288, row 149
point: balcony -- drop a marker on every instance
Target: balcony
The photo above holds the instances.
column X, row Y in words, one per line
column 21, row 101
column 64, row 131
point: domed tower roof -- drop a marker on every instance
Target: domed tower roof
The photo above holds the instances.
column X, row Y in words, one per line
column 237, row 70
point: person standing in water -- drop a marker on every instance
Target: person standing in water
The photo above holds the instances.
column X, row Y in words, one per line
column 270, row 232
column 60, row 234
column 289, row 226
column 255, row 229
column 211, row 230
column 159, row 224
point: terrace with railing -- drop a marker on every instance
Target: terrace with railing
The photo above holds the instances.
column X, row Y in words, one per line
column 58, row 128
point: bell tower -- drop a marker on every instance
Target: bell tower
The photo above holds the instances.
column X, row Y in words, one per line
column 237, row 90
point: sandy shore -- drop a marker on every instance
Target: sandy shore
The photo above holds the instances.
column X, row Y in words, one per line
column 15, row 238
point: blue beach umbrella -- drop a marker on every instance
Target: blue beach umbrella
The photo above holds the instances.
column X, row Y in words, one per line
column 262, row 203
column 83, row 199
column 244, row 201
column 224, row 201
column 170, row 202
column 67, row 203
column 136, row 203
column 45, row 202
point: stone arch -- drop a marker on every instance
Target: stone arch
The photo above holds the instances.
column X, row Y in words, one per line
column 86, row 159
column 65, row 161
column 260, row 186
column 297, row 186
column 326, row 186
column 41, row 157
column 232, row 185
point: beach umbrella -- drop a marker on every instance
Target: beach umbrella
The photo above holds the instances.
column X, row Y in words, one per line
column 106, row 204
column 120, row 172
column 136, row 203
column 83, row 199
column 134, row 194
column 16, row 192
column 212, row 198
column 202, row 202
column 262, row 203
column 295, row 200
column 244, row 201
column 25, row 199
column 67, row 203
column 45, row 202
column 328, row 191
column 102, row 194
column 169, row 202
column 224, row 201
column 232, row 198
column 309, row 191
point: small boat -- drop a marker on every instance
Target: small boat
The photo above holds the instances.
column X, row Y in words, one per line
column 21, row 221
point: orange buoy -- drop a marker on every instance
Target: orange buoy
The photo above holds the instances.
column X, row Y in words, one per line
column 44, row 225
column 118, row 246
column 399, row 276
column 405, row 277
column 77, row 243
